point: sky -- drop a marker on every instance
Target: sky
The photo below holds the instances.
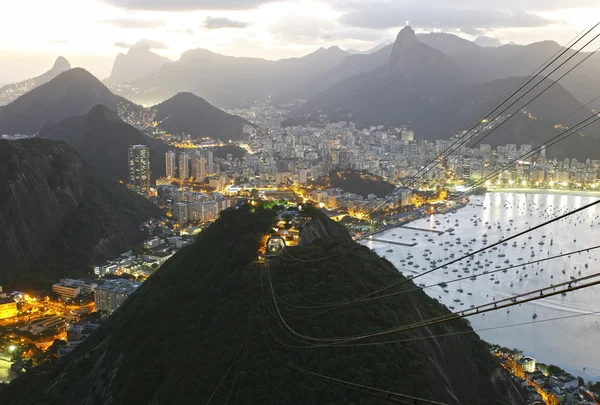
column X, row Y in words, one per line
column 90, row 33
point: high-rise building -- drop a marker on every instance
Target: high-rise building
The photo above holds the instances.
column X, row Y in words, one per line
column 346, row 159
column 139, row 169
column 199, row 168
column 408, row 135
column 180, row 212
column 184, row 166
column 171, row 164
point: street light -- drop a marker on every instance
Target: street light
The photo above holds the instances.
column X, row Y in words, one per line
column 12, row 348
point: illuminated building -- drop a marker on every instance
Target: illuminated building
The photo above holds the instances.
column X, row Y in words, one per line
column 167, row 194
column 8, row 308
column 199, row 168
column 110, row 296
column 184, row 166
column 171, row 164
column 180, row 212
column 69, row 288
column 346, row 159
column 408, row 135
column 303, row 176
column 66, row 291
column 528, row 364
column 139, row 169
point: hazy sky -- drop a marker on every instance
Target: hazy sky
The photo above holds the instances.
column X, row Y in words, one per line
column 91, row 32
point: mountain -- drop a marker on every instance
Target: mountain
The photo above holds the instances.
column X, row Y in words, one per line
column 368, row 51
column 351, row 66
column 227, row 81
column 207, row 317
column 450, row 44
column 58, row 214
column 103, row 139
column 11, row 92
column 397, row 92
column 460, row 108
column 440, row 96
column 186, row 113
column 487, row 42
column 137, row 63
column 73, row 92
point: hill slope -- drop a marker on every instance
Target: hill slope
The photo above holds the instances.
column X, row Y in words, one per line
column 11, row 92
column 186, row 113
column 103, row 139
column 57, row 214
column 148, row 354
column 73, row 92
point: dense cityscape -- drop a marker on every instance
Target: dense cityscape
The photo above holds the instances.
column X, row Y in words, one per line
column 299, row 202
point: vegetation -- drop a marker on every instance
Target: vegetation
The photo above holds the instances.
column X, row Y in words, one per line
column 358, row 182
column 97, row 216
column 221, row 152
column 175, row 338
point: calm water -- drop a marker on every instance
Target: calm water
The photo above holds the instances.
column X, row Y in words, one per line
column 572, row 343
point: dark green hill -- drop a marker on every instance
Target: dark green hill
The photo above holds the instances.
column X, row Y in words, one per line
column 73, row 92
column 176, row 338
column 57, row 214
column 103, row 140
column 357, row 182
column 186, row 113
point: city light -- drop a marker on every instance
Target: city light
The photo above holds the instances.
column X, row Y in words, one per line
column 524, row 183
column 12, row 348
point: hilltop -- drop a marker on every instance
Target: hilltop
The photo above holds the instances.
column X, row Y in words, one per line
column 205, row 319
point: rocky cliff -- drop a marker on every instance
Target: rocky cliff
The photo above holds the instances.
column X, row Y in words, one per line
column 57, row 215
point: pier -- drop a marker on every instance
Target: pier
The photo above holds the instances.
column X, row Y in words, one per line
column 393, row 242
column 421, row 229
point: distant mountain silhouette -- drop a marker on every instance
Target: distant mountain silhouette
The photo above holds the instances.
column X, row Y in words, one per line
column 487, row 42
column 138, row 63
column 103, row 139
column 73, row 92
column 186, row 113
column 438, row 98
column 397, row 92
column 368, row 51
column 227, row 81
column 450, row 44
column 352, row 65
column 11, row 92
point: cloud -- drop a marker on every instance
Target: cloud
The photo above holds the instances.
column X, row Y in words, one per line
column 442, row 16
column 151, row 44
column 187, row 5
column 307, row 30
column 135, row 23
column 211, row 23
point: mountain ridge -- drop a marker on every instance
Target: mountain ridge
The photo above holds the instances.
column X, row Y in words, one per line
column 71, row 93
column 11, row 92
column 102, row 138
column 186, row 113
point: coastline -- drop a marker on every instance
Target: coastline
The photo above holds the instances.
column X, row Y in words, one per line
column 545, row 191
column 590, row 377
